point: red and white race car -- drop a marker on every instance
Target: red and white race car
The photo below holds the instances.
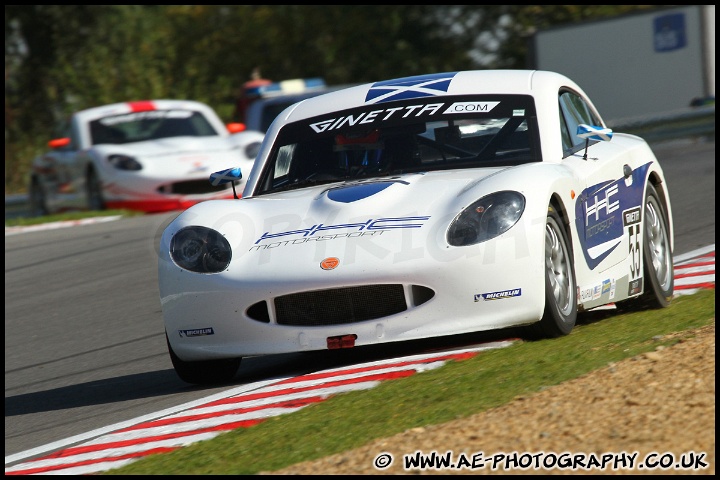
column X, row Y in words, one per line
column 150, row 156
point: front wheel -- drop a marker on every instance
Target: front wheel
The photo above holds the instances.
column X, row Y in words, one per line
column 560, row 287
column 206, row 372
column 95, row 200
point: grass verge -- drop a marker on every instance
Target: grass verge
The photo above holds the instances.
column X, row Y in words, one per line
column 68, row 216
column 456, row 390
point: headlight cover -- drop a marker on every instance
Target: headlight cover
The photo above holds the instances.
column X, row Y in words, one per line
column 200, row 250
column 124, row 162
column 487, row 218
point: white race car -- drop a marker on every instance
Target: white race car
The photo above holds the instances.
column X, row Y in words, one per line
column 150, row 156
column 413, row 208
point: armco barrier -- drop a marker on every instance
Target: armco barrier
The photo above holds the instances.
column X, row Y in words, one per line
column 689, row 122
column 16, row 206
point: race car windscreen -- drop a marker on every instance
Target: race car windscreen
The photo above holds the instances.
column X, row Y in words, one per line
column 149, row 125
column 401, row 137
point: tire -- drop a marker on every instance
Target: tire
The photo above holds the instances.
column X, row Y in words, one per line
column 658, row 270
column 38, row 201
column 560, row 312
column 207, row 372
column 95, row 200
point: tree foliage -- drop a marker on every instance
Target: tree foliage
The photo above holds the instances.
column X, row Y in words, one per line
column 62, row 58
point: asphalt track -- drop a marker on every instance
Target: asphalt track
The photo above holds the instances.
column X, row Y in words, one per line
column 84, row 348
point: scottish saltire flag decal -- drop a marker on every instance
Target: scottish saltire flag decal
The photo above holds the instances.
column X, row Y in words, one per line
column 357, row 192
column 410, row 87
column 591, row 132
column 225, row 176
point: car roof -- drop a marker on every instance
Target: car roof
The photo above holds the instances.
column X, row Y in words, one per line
column 543, row 85
column 256, row 115
column 120, row 108
column 297, row 96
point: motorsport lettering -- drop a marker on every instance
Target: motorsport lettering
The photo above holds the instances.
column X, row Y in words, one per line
column 321, row 238
column 370, row 225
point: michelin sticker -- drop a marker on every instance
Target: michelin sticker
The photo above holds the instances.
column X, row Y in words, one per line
column 196, row 332
column 516, row 292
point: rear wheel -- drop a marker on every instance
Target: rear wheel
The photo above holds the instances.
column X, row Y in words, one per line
column 95, row 199
column 206, row 372
column 38, row 202
column 658, row 271
column 560, row 288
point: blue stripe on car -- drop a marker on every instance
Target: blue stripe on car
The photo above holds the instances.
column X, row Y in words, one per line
column 357, row 192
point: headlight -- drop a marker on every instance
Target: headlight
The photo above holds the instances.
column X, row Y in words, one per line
column 124, row 162
column 486, row 218
column 200, row 250
column 252, row 149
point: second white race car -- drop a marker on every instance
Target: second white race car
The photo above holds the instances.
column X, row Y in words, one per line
column 149, row 156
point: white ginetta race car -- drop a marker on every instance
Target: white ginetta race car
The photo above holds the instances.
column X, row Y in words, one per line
column 413, row 208
column 149, row 156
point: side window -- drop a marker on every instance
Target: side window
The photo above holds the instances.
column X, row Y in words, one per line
column 565, row 133
column 71, row 130
column 284, row 157
column 574, row 111
column 201, row 126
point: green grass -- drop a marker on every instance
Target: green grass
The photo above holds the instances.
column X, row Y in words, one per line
column 456, row 390
column 74, row 215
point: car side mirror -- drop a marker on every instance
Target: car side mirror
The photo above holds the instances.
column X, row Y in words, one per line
column 593, row 132
column 231, row 175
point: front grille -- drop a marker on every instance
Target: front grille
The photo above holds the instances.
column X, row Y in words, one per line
column 340, row 305
column 193, row 187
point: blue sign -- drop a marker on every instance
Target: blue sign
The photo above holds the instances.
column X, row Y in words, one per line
column 669, row 32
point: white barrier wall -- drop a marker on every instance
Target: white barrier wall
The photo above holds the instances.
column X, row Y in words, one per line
column 639, row 64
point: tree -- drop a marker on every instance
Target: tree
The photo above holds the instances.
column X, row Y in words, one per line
column 62, row 58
